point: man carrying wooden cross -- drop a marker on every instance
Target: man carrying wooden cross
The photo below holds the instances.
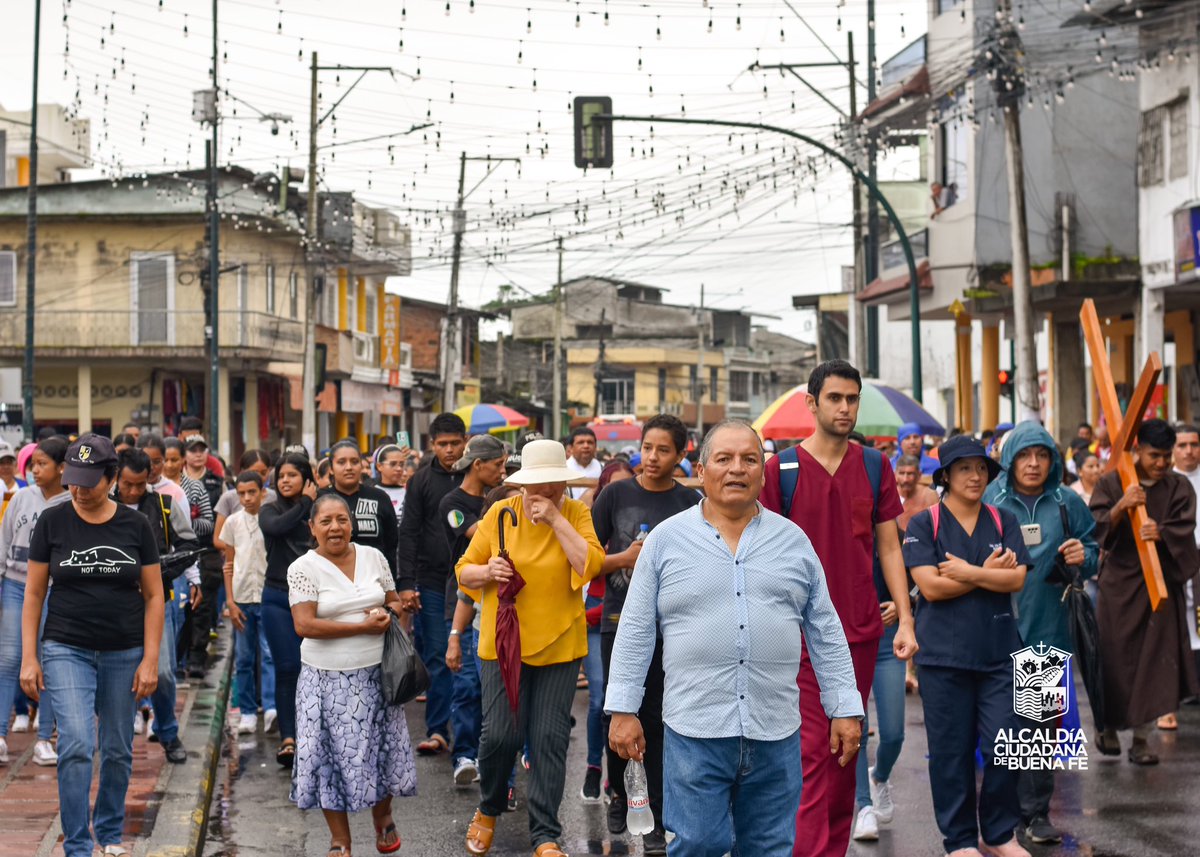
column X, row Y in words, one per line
column 1147, row 662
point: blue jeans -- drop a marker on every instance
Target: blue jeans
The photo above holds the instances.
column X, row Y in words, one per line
column 888, row 690
column 718, row 790
column 90, row 685
column 166, row 724
column 251, row 642
column 435, row 633
column 466, row 712
column 12, row 602
column 285, row 653
column 593, row 668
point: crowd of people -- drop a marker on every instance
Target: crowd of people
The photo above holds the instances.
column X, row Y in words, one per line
column 730, row 629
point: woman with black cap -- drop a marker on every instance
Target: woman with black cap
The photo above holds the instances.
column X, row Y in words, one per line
column 100, row 642
column 968, row 558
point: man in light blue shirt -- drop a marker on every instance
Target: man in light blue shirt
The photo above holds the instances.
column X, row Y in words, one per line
column 732, row 587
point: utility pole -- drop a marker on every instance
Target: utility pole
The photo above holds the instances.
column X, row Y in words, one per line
column 449, row 391
column 700, row 346
column 308, row 413
column 872, row 247
column 1010, row 86
column 31, row 241
column 858, row 326
column 600, row 364
column 556, row 397
column 214, row 262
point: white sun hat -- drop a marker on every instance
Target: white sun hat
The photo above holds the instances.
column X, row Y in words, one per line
column 542, row 462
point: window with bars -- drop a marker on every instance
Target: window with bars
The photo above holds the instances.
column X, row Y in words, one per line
column 271, row 289
column 739, row 386
column 1178, row 113
column 153, row 299
column 8, row 278
column 294, row 295
column 1150, row 148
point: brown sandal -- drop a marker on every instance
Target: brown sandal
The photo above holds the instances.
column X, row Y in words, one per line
column 480, row 833
column 549, row 849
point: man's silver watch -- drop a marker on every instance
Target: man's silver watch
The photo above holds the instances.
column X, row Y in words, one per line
column 454, row 632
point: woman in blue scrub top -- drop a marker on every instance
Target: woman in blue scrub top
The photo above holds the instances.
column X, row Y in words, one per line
column 967, row 559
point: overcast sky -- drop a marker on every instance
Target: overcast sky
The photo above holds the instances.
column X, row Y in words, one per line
column 750, row 216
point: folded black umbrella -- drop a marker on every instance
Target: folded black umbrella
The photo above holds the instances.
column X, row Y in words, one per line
column 1085, row 636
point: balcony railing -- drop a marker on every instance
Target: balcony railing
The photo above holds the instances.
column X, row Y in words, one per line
column 153, row 329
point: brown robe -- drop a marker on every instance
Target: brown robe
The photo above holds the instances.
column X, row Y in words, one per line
column 1148, row 665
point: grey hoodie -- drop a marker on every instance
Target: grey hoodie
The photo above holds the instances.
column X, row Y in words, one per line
column 16, row 528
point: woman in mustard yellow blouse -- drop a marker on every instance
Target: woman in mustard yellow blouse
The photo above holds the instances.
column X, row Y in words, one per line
column 555, row 550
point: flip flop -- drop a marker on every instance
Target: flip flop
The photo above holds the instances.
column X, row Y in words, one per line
column 381, row 837
column 434, row 745
column 286, row 755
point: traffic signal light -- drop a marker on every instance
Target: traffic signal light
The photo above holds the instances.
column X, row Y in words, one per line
column 1006, row 382
column 593, row 137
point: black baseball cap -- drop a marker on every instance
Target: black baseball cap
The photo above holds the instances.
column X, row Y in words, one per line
column 87, row 459
column 527, row 437
column 194, row 441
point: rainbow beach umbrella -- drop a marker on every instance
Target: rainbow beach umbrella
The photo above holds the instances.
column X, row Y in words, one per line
column 491, row 419
column 882, row 411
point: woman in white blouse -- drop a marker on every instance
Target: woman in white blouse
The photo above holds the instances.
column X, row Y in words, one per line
column 353, row 749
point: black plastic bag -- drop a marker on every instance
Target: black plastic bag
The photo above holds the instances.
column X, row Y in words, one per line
column 404, row 674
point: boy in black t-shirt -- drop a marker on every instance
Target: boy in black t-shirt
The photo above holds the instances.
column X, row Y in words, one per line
column 482, row 466
column 619, row 514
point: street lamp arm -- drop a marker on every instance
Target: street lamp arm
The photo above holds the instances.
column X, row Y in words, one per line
column 872, row 187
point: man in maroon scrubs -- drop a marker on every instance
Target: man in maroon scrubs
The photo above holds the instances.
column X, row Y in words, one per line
column 847, row 518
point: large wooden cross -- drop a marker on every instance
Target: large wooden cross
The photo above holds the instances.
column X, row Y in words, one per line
column 1122, row 432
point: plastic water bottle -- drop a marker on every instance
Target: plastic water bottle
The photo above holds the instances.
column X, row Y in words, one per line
column 627, row 573
column 639, row 819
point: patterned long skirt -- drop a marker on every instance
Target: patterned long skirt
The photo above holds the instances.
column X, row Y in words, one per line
column 352, row 749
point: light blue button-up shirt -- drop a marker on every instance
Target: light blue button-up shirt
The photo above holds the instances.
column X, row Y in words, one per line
column 731, row 627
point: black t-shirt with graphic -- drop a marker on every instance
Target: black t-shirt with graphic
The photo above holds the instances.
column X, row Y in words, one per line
column 459, row 511
column 373, row 519
column 96, row 601
column 618, row 514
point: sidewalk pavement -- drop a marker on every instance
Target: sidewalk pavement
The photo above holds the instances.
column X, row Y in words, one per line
column 165, row 802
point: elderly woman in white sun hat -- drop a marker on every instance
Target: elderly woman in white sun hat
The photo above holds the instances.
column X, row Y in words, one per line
column 529, row 677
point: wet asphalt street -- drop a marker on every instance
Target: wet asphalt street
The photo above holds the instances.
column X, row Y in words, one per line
column 1114, row 809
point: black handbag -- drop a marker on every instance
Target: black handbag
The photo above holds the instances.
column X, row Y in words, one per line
column 404, row 674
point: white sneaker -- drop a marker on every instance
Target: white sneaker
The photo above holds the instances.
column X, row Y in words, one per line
column 20, row 723
column 866, row 826
column 139, row 725
column 269, row 717
column 247, row 724
column 44, row 754
column 881, row 797
column 3, row 752
column 465, row 772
